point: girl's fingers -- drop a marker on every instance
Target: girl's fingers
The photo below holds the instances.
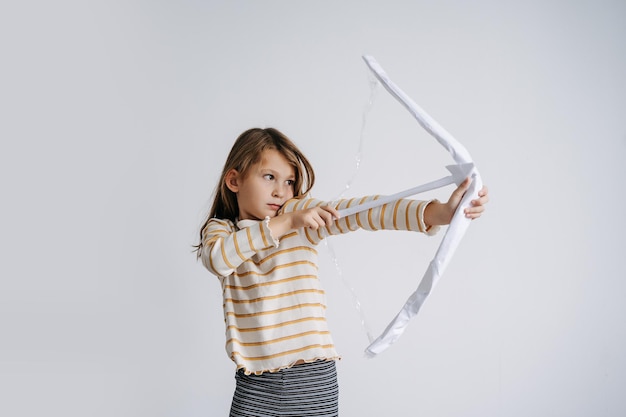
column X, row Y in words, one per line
column 463, row 187
column 474, row 212
column 333, row 212
column 460, row 190
column 457, row 195
column 320, row 217
column 484, row 195
column 328, row 214
column 481, row 201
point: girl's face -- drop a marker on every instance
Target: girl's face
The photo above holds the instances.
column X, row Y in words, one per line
column 266, row 187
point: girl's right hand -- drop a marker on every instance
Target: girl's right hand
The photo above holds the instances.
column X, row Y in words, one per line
column 314, row 217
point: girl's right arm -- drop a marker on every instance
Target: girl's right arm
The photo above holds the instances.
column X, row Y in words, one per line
column 224, row 248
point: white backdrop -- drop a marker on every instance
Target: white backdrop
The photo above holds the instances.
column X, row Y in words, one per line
column 116, row 120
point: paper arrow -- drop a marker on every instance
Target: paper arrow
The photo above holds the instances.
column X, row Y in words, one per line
column 459, row 173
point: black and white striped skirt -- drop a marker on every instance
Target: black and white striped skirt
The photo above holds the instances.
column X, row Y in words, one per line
column 308, row 389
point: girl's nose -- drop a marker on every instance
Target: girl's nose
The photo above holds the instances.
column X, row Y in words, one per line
column 282, row 190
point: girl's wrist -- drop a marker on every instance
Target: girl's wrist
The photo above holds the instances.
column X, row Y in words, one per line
column 437, row 214
column 280, row 224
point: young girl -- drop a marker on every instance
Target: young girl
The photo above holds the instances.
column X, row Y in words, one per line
column 260, row 240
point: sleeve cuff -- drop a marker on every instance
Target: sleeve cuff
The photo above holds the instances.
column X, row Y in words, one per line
column 428, row 230
column 266, row 226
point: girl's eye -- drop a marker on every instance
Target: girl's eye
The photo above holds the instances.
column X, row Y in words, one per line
column 268, row 177
column 290, row 182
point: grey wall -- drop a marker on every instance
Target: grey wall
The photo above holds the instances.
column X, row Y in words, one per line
column 117, row 117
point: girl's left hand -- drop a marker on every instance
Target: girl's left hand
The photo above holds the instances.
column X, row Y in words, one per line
column 441, row 213
column 477, row 206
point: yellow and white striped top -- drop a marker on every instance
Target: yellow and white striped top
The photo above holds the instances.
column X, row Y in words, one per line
column 274, row 305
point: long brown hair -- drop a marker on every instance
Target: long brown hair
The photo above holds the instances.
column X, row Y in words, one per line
column 246, row 152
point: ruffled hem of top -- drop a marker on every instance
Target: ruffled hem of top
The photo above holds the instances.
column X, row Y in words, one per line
column 291, row 365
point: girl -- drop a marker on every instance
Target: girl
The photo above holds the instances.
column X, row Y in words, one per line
column 260, row 240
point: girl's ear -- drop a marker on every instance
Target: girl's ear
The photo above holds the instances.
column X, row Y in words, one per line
column 232, row 180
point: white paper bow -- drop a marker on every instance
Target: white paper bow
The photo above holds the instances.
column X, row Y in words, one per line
column 457, row 227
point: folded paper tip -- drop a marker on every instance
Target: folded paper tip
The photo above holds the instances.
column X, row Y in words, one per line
column 460, row 171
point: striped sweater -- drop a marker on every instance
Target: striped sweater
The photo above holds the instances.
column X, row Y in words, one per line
column 274, row 305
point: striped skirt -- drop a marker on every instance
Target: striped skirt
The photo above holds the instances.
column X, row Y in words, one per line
column 309, row 389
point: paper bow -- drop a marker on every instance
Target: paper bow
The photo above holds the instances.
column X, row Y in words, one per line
column 457, row 227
